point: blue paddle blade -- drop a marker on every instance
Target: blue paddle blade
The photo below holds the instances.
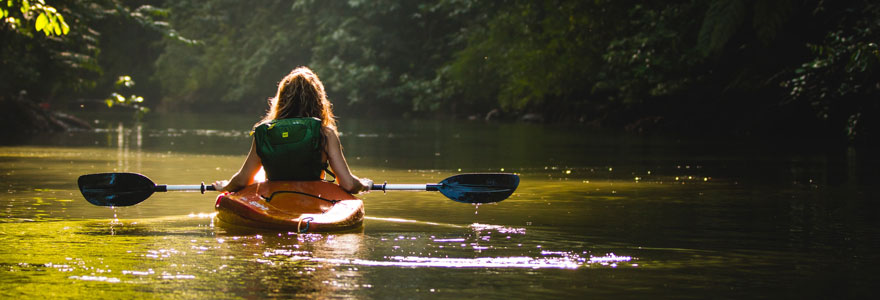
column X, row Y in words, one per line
column 115, row 189
column 479, row 188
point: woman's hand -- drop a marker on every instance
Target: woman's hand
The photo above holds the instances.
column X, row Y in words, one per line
column 220, row 185
column 366, row 184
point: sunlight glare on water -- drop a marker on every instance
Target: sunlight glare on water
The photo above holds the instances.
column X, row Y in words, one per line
column 478, row 244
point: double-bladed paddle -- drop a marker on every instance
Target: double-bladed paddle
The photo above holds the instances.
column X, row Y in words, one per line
column 125, row 189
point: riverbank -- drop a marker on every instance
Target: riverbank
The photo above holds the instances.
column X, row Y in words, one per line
column 21, row 118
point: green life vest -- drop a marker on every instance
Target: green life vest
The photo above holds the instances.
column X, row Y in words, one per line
column 290, row 149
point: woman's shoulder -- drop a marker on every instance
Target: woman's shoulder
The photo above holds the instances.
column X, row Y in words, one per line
column 329, row 131
column 262, row 123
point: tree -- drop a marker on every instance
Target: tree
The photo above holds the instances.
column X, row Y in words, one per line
column 731, row 66
column 64, row 60
column 839, row 81
column 55, row 60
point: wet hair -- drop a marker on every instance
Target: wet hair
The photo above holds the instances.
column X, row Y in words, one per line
column 301, row 95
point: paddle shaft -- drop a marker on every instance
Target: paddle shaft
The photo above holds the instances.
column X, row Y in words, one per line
column 184, row 188
column 431, row 187
column 375, row 187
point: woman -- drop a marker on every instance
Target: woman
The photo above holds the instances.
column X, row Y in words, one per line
column 297, row 139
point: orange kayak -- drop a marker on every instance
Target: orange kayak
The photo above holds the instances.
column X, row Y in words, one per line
column 296, row 206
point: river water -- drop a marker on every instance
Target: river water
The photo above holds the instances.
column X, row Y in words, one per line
column 596, row 215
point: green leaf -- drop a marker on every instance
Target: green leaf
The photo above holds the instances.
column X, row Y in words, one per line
column 42, row 21
column 25, row 7
column 64, row 27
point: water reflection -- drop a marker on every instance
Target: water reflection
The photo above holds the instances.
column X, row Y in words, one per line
column 439, row 249
column 183, row 252
column 180, row 252
column 125, row 139
column 562, row 262
column 550, row 259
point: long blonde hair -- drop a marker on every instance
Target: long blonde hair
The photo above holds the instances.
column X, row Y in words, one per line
column 301, row 94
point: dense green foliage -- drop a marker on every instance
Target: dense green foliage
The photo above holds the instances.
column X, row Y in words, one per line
column 97, row 42
column 841, row 81
column 721, row 66
column 46, row 18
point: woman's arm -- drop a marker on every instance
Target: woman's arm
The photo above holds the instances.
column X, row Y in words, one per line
column 245, row 175
column 347, row 181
